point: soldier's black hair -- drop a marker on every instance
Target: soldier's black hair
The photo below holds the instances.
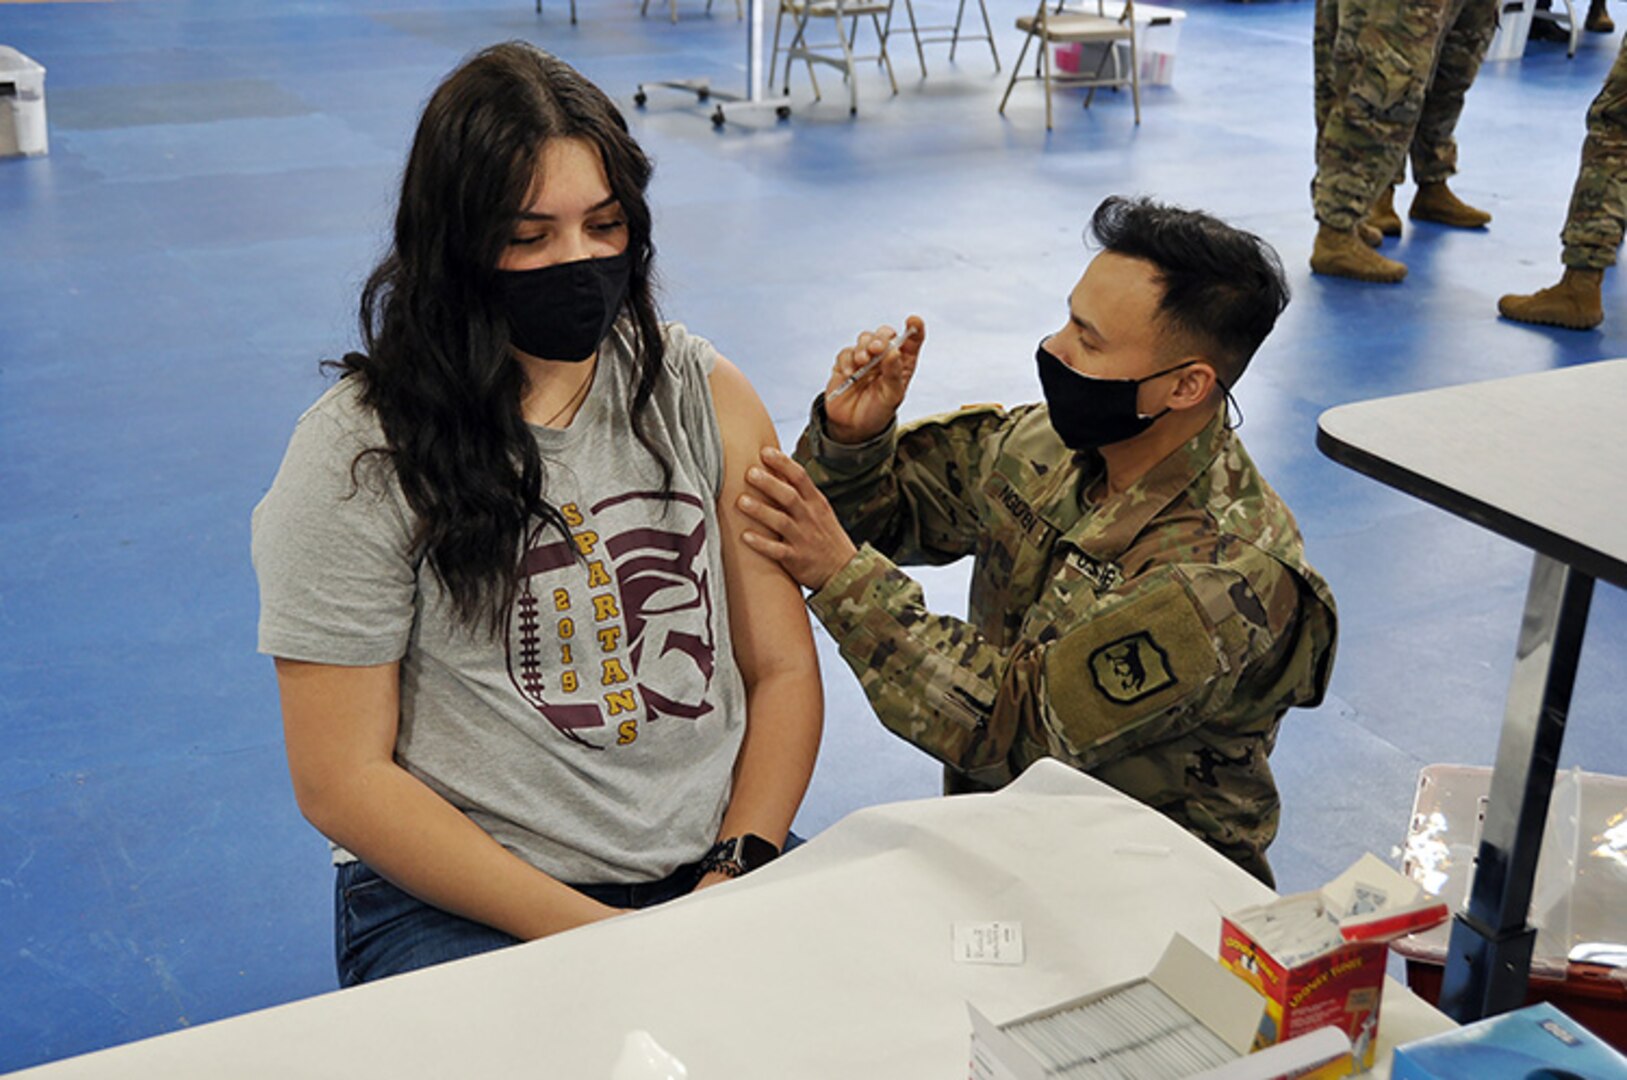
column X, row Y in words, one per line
column 1223, row 287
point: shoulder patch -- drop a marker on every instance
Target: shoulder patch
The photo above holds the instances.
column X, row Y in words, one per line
column 1131, row 668
column 1118, row 679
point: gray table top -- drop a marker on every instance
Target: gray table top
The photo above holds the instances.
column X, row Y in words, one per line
column 1539, row 458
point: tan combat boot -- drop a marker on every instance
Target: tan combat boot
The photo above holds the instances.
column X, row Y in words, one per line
column 1435, row 202
column 1341, row 253
column 1383, row 216
column 1574, row 303
column 1598, row 19
column 1370, row 234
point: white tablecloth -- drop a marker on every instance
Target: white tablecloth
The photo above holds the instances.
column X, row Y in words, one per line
column 832, row 962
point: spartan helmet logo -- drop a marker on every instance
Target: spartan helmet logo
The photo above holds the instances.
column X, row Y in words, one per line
column 667, row 605
column 1131, row 668
column 620, row 622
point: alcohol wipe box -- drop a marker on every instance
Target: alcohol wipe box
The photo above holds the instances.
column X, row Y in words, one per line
column 1318, row 957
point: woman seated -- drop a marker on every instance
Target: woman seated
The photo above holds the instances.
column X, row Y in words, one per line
column 529, row 674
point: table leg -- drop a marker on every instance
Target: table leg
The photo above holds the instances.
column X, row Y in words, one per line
column 1489, row 957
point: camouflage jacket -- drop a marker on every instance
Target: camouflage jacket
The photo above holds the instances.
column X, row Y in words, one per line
column 1153, row 639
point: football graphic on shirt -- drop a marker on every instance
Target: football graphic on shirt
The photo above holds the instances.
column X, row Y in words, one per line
column 614, row 629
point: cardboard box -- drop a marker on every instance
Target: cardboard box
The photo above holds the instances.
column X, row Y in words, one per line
column 1334, row 976
column 1205, row 993
column 1536, row 1041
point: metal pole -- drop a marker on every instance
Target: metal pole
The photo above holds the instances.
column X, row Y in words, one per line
column 754, row 50
column 1489, row 957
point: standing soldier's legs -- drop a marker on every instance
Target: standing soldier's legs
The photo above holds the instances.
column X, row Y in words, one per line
column 1375, row 96
column 1322, row 69
column 1382, row 216
column 1381, row 72
column 1325, row 79
column 1598, row 18
column 1434, row 149
column 1595, row 222
column 1597, row 216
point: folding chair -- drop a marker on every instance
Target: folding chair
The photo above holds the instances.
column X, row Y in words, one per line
column 955, row 36
column 673, row 6
column 573, row 10
column 1567, row 23
column 1058, row 27
column 844, row 16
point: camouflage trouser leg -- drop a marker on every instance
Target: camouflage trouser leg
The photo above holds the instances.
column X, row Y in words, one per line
column 1332, row 16
column 1383, row 56
column 1468, row 36
column 1327, row 28
column 1598, row 210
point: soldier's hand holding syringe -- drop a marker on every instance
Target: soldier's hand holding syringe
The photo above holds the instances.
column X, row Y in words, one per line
column 869, row 380
column 795, row 525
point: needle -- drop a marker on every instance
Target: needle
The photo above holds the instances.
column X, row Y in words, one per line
column 869, row 366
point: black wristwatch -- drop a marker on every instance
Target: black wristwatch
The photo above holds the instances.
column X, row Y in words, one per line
column 738, row 855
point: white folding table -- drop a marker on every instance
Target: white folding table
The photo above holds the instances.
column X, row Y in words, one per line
column 833, row 961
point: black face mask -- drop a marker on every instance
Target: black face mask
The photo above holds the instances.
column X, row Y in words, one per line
column 1089, row 412
column 563, row 312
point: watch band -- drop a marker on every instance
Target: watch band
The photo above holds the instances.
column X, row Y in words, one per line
column 736, row 855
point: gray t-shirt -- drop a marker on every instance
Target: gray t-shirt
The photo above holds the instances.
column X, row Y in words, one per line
column 595, row 736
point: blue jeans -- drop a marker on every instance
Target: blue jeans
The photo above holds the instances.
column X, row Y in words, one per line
column 380, row 930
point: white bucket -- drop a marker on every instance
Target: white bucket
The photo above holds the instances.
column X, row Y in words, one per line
column 22, row 105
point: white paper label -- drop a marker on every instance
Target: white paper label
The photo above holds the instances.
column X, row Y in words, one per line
column 988, row 942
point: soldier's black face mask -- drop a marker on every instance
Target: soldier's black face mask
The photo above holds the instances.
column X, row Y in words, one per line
column 563, row 312
column 1090, row 412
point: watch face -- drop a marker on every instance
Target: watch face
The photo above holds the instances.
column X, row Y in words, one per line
column 754, row 851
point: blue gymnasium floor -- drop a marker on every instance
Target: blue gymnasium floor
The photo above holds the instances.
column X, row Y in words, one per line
column 219, row 183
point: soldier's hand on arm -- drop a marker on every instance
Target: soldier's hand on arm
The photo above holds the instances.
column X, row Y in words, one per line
column 865, row 408
column 799, row 529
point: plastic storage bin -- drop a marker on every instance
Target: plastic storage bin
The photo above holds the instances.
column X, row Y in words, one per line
column 22, row 105
column 1158, row 32
column 1578, row 900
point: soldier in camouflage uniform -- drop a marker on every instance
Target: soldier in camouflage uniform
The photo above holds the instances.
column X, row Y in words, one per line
column 1594, row 224
column 1389, row 75
column 1141, row 610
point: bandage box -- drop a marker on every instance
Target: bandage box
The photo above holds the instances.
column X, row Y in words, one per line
column 1318, row 957
column 1200, row 993
column 1536, row 1041
column 22, row 105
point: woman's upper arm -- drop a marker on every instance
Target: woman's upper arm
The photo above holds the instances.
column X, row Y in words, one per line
column 766, row 616
column 336, row 721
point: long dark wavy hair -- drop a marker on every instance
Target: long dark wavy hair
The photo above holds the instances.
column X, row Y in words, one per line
column 436, row 364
